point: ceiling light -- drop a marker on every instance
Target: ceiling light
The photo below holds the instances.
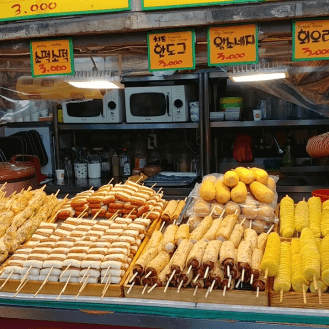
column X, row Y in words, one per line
column 95, row 84
column 259, row 77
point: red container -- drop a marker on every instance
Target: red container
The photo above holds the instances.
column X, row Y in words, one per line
column 323, row 194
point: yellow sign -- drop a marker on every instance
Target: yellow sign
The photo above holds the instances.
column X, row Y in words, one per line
column 171, row 50
column 232, row 45
column 52, row 57
column 20, row 9
column 310, row 40
column 169, row 4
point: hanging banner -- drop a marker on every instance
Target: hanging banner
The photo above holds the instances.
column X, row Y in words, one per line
column 233, row 45
column 52, row 57
column 170, row 4
column 18, row 9
column 310, row 40
column 171, row 50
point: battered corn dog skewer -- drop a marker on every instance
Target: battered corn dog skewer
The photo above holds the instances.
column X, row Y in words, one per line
column 271, row 258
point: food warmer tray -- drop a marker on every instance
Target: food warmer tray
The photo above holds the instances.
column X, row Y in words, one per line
column 172, row 178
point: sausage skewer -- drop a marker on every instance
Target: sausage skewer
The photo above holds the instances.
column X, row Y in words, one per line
column 256, row 259
column 244, row 257
column 161, row 279
column 227, row 256
column 194, row 258
column 211, row 255
column 185, row 279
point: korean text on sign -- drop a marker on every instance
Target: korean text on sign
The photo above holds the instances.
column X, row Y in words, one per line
column 171, row 51
column 53, row 57
column 237, row 44
column 310, row 40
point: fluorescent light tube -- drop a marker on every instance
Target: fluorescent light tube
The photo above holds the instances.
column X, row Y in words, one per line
column 259, row 77
column 95, row 84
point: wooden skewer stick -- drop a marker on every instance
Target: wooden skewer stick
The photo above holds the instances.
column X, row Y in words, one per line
column 237, row 285
column 29, row 189
column 152, row 288
column 212, row 285
column 66, row 196
column 207, row 293
column 195, row 290
column 86, row 280
column 206, row 273
column 213, row 209
column 44, row 282
column 91, row 188
column 196, row 278
column 270, row 229
column 21, row 288
column 153, row 185
column 315, row 283
column 320, row 296
column 242, row 275
column 189, row 269
column 159, row 190
column 67, row 267
column 162, row 226
column 104, row 277
column 304, row 294
column 66, row 283
column 224, row 291
column 24, row 277
column 228, row 271
column 257, row 294
column 229, row 281
column 85, row 274
column 130, row 213
column 266, row 273
column 171, row 276
column 108, row 282
column 83, row 212
column 129, row 290
column 3, row 186
column 143, row 292
column 250, row 224
column 180, row 286
column 243, row 221
column 133, row 277
column 114, row 215
column 147, row 275
column 252, row 279
column 281, row 295
column 82, row 287
column 110, row 181
column 11, row 273
column 97, row 213
column 12, row 194
column 57, row 193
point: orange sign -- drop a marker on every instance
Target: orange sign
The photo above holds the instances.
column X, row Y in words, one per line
column 171, row 50
column 52, row 57
column 232, row 45
column 310, row 40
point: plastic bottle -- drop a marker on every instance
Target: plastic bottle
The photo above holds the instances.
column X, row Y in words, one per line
column 115, row 165
column 125, row 165
column 140, row 153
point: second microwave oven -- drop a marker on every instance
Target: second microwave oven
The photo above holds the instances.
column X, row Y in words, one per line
column 110, row 109
column 158, row 104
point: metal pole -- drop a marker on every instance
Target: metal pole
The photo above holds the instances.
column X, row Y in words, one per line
column 201, row 124
column 207, row 140
column 55, row 123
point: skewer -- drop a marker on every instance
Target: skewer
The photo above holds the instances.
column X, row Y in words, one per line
column 252, row 279
column 180, row 286
column 320, row 296
column 174, row 222
column 11, row 273
column 189, row 269
column 97, row 213
column 66, row 196
column 266, row 273
column 228, row 271
column 107, row 272
column 110, row 181
column 152, row 288
column 108, row 282
column 159, row 190
column 57, row 193
column 185, row 199
column 129, row 290
column 206, row 273
column 208, row 291
column 162, row 226
column 114, row 215
column 213, row 209
column 171, row 276
column 229, row 282
column 83, row 212
column 128, row 216
column 91, row 188
column 143, row 292
column 153, row 185
column 314, row 282
column 133, row 277
column 237, row 285
column 67, row 267
column 212, row 285
column 85, row 274
column 281, row 295
column 196, row 278
column 147, row 275
column 66, row 283
column 22, row 190
column 12, row 194
column 195, row 290
column 243, row 221
column 21, row 288
column 3, row 186
column 257, row 294
column 29, row 189
column 250, row 224
column 138, row 180
column 304, row 294
column 24, row 277
column 44, row 282
column 224, row 291
column 242, row 275
column 82, row 287
column 270, row 229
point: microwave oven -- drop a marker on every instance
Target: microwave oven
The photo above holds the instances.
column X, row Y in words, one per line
column 110, row 109
column 158, row 104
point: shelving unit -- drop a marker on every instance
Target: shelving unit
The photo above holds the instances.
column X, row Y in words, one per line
column 127, row 126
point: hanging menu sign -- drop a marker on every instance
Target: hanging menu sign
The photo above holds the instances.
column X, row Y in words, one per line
column 310, row 40
column 52, row 57
column 171, row 50
column 170, row 4
column 18, row 9
column 233, row 45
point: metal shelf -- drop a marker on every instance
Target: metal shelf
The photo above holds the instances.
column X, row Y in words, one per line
column 269, row 123
column 188, row 76
column 126, row 126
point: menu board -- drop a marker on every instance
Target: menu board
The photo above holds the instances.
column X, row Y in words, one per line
column 310, row 40
column 19, row 9
column 52, row 57
column 173, row 50
column 233, row 45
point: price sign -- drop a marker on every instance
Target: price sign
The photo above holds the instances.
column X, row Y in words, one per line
column 232, row 45
column 52, row 57
column 170, row 4
column 310, row 40
column 20, row 9
column 171, row 50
